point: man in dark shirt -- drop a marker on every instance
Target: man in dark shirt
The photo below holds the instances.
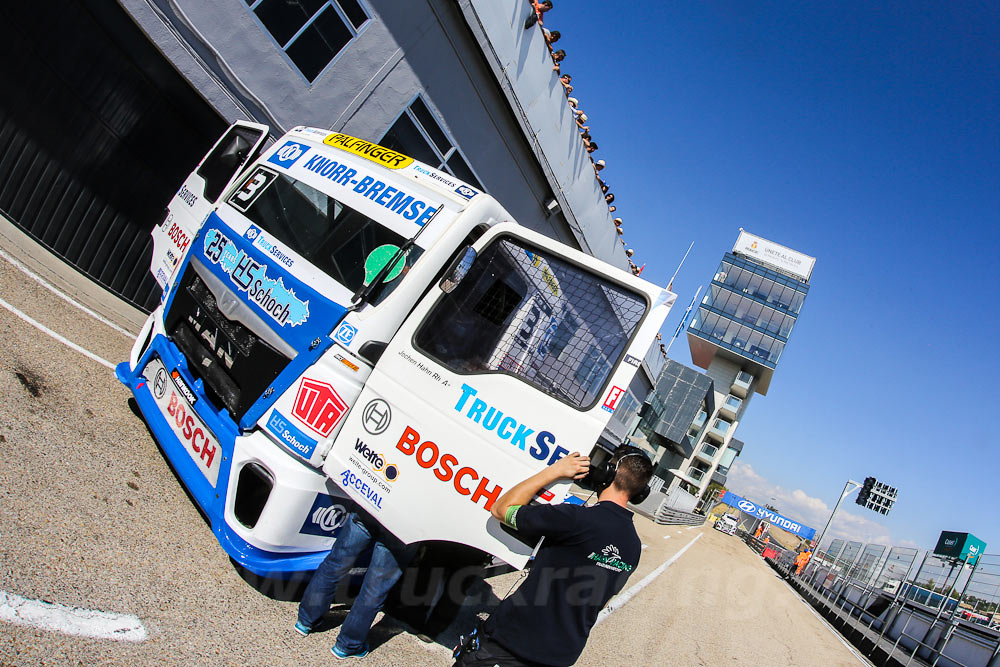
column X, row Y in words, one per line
column 587, row 556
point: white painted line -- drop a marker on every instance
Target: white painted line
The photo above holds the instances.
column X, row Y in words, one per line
column 65, row 341
column 70, row 620
column 644, row 546
column 666, row 537
column 62, row 295
column 850, row 647
column 621, row 599
column 693, row 527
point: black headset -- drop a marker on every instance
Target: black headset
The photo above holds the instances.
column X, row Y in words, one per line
column 603, row 474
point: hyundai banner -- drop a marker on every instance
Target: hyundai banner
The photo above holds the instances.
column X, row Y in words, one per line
column 755, row 510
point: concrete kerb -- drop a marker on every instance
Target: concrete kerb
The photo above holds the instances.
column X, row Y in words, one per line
column 52, row 268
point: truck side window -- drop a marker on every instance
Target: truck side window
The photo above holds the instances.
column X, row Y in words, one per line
column 525, row 313
column 229, row 155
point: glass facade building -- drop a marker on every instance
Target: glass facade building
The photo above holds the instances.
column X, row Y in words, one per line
column 749, row 310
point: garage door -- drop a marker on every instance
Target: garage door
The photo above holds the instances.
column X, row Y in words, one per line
column 97, row 131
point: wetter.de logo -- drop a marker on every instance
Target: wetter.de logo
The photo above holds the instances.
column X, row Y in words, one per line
column 318, row 406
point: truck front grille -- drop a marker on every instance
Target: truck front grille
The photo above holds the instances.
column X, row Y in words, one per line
column 234, row 364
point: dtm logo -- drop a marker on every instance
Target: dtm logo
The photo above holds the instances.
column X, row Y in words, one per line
column 466, row 191
column 345, row 334
column 288, row 154
column 252, row 233
column 747, row 507
column 318, row 406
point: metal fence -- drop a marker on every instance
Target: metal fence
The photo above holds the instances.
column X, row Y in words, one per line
column 898, row 605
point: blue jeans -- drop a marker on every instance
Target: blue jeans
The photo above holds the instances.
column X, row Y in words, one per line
column 384, row 571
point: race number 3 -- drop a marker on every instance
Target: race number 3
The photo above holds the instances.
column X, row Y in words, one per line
column 252, row 187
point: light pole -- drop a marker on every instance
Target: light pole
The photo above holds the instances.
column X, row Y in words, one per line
column 850, row 487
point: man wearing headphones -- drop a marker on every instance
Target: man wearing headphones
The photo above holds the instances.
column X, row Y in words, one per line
column 586, row 558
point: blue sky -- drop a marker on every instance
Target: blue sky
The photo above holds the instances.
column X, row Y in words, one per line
column 868, row 136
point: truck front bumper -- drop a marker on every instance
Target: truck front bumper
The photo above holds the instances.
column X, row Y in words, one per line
column 289, row 532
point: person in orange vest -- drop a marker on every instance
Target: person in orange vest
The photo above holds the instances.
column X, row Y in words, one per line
column 761, row 530
column 802, row 560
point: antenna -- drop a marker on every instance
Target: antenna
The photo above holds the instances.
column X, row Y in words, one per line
column 670, row 285
column 684, row 319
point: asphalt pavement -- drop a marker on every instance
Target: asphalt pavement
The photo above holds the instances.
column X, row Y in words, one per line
column 92, row 517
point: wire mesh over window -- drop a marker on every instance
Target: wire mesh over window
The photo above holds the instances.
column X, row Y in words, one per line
column 522, row 312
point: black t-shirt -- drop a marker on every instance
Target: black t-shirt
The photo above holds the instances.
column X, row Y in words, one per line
column 588, row 554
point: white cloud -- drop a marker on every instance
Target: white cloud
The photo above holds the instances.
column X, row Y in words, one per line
column 796, row 504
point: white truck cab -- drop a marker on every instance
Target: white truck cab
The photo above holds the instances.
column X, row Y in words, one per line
column 342, row 326
column 726, row 523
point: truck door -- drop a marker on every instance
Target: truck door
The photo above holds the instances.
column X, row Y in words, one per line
column 186, row 212
column 475, row 392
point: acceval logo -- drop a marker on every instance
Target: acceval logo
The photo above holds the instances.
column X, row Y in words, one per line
column 288, row 154
column 376, row 416
column 747, row 506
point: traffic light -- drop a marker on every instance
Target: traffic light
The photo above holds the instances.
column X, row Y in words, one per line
column 866, row 491
column 876, row 496
column 883, row 497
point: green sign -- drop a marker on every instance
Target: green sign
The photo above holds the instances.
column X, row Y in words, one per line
column 961, row 546
column 378, row 258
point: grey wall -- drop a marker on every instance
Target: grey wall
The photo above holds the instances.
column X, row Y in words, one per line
column 419, row 46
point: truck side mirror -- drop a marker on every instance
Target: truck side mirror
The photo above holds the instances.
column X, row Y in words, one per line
column 458, row 270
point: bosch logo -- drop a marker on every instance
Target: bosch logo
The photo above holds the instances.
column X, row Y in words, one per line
column 290, row 152
column 376, row 416
column 160, row 383
column 330, row 518
column 747, row 506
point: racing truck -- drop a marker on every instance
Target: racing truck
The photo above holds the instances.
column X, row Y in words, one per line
column 343, row 327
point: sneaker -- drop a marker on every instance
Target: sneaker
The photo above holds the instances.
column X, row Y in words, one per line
column 301, row 628
column 341, row 654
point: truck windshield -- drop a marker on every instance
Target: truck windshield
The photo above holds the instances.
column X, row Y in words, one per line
column 335, row 238
column 522, row 312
